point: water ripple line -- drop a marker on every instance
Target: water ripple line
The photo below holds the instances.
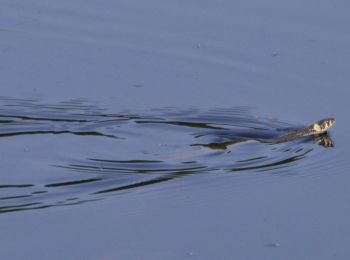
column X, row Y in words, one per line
column 75, row 152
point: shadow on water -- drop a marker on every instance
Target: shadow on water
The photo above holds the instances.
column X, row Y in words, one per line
column 76, row 152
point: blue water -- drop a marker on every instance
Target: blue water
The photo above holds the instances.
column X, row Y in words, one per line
column 96, row 154
column 134, row 130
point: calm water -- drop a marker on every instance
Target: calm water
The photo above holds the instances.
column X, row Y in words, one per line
column 132, row 130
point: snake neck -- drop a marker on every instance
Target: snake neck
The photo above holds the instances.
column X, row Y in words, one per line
column 295, row 135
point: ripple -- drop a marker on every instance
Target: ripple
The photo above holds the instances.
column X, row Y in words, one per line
column 75, row 152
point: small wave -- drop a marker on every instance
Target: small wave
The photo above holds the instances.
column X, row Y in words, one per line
column 75, row 152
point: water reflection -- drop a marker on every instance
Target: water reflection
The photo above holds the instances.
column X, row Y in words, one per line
column 92, row 153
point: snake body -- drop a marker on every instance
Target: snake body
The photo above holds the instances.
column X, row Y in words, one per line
column 317, row 128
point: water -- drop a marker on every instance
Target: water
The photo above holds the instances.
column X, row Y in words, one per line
column 136, row 130
column 137, row 149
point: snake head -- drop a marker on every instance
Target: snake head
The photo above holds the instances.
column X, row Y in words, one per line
column 323, row 125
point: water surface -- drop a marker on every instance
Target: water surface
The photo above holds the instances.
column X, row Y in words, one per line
column 93, row 167
column 75, row 152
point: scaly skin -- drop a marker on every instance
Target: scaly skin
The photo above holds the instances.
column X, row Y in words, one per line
column 317, row 128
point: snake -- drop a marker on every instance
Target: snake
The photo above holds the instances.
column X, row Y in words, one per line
column 318, row 130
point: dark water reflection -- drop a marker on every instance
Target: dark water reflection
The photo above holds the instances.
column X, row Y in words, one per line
column 75, row 152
